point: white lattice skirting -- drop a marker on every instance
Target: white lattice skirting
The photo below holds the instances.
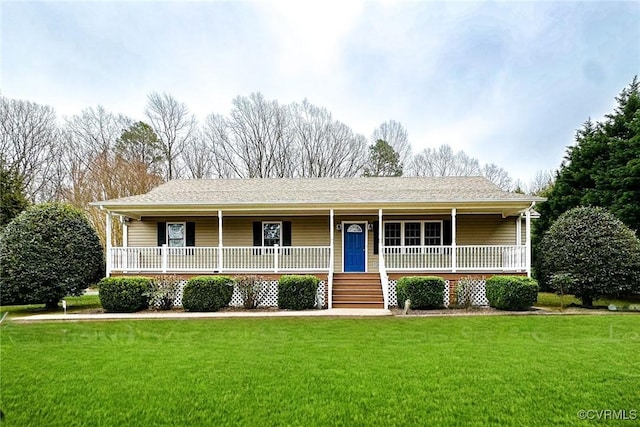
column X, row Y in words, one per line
column 269, row 295
column 477, row 291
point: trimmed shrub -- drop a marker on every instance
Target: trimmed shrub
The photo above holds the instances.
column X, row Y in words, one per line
column 595, row 250
column 297, row 292
column 424, row 291
column 207, row 293
column 48, row 252
column 124, row 294
column 511, row 292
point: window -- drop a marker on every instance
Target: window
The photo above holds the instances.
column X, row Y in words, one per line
column 392, row 234
column 271, row 233
column 412, row 233
column 176, row 236
column 433, row 233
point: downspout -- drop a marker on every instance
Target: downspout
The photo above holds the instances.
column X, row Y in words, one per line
column 331, row 261
column 384, row 278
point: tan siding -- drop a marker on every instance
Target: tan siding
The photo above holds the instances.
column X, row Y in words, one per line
column 305, row 231
column 485, row 230
column 144, row 233
column 237, row 231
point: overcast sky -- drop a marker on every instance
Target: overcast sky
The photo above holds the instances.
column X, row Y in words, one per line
column 507, row 83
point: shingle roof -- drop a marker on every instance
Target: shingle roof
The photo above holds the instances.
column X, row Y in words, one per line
column 288, row 191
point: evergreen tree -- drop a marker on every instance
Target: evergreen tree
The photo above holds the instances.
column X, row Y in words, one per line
column 601, row 169
column 12, row 194
column 383, row 160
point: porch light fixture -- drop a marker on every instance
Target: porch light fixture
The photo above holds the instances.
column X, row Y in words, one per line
column 339, row 227
column 370, row 227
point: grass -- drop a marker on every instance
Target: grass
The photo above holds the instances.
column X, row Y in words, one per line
column 553, row 300
column 484, row 370
column 74, row 305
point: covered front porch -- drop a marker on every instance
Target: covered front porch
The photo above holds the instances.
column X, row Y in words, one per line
column 323, row 242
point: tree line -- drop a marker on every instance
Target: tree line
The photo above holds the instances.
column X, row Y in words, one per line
column 98, row 154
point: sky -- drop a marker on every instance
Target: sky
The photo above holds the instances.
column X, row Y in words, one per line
column 506, row 82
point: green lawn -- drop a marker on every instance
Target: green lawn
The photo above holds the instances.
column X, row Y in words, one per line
column 553, row 300
column 483, row 370
column 74, row 305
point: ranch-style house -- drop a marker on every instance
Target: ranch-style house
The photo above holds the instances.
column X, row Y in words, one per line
column 358, row 235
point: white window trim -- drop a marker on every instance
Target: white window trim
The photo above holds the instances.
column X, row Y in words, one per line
column 281, row 232
column 184, row 239
column 422, row 228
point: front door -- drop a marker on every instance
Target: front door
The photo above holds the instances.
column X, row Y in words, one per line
column 354, row 247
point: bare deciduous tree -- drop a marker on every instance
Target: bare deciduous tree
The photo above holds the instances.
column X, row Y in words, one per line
column 29, row 145
column 108, row 177
column 199, row 157
column 324, row 147
column 541, row 182
column 497, row 175
column 252, row 142
column 174, row 125
column 442, row 161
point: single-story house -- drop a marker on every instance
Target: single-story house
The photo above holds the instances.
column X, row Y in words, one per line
column 358, row 235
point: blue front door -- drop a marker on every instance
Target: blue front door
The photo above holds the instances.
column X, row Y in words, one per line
column 354, row 247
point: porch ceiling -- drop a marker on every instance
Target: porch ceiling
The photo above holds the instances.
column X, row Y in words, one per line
column 505, row 209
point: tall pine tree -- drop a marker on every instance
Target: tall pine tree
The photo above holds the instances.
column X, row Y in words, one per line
column 601, row 169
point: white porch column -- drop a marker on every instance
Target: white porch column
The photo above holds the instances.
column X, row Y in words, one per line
column 124, row 255
column 331, row 260
column 381, row 265
column 219, row 240
column 528, row 236
column 107, row 239
column 125, row 232
column 454, row 251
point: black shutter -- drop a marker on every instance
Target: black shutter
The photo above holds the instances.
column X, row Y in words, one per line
column 191, row 234
column 257, row 233
column 376, row 236
column 162, row 233
column 446, row 233
column 286, row 233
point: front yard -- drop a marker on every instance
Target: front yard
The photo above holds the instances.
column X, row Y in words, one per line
column 507, row 370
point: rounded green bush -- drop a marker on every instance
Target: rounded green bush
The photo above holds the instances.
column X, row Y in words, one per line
column 595, row 250
column 297, row 292
column 124, row 294
column 48, row 252
column 207, row 293
column 425, row 292
column 511, row 292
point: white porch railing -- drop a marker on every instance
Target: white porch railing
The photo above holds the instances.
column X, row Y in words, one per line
column 312, row 258
column 275, row 258
column 207, row 259
column 468, row 258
